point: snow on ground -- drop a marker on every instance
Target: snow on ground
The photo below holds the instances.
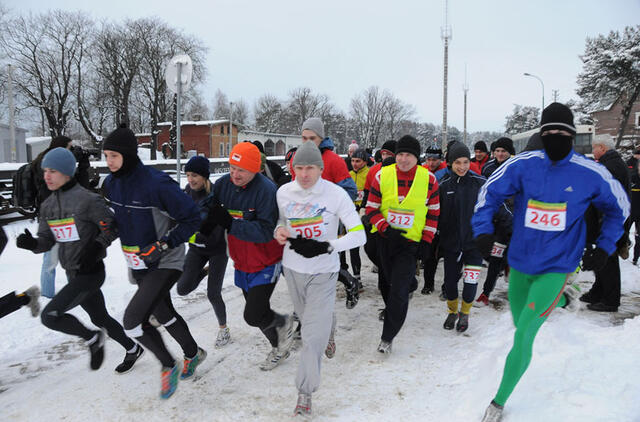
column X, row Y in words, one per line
column 585, row 365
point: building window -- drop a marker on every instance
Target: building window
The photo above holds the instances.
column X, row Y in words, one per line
column 638, row 120
column 221, row 152
column 221, row 130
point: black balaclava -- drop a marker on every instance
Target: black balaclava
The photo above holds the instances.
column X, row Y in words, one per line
column 124, row 141
column 557, row 116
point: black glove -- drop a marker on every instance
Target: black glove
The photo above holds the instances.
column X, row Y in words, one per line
column 594, row 259
column 91, row 256
column 153, row 252
column 308, row 248
column 220, row 216
column 393, row 234
column 27, row 241
column 484, row 243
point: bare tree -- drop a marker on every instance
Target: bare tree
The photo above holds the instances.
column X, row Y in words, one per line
column 302, row 104
column 397, row 112
column 45, row 49
column 241, row 112
column 220, row 105
column 368, row 113
column 267, row 110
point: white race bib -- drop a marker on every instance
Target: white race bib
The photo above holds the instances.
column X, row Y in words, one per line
column 133, row 260
column 471, row 274
column 497, row 250
column 360, row 195
column 310, row 228
column 400, row 218
column 546, row 217
column 64, row 230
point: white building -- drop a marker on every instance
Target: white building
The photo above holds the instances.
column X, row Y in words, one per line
column 5, row 145
column 273, row 143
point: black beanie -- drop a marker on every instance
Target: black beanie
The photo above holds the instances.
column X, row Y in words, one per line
column 122, row 140
column 259, row 145
column 408, row 144
column 434, row 153
column 480, row 146
column 360, row 153
column 557, row 116
column 492, row 147
column 389, row 146
column 458, row 150
column 534, row 143
column 505, row 143
column 198, row 165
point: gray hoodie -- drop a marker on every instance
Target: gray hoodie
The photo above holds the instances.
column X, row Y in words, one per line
column 74, row 217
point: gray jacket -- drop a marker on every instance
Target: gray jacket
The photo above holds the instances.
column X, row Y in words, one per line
column 76, row 215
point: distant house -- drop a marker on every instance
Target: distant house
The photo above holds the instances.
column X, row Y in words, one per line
column 210, row 138
column 207, row 137
column 607, row 120
column 6, row 155
column 273, row 143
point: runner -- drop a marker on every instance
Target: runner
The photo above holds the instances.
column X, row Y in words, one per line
column 205, row 248
column 480, row 158
column 458, row 194
column 154, row 218
column 552, row 189
column 244, row 204
column 403, row 205
column 11, row 302
column 434, row 163
column 78, row 221
column 310, row 210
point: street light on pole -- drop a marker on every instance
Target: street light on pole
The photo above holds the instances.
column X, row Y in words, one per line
column 541, row 83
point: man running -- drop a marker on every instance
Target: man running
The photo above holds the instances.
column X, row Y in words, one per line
column 552, row 190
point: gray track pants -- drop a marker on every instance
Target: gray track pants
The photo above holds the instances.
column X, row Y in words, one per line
column 313, row 297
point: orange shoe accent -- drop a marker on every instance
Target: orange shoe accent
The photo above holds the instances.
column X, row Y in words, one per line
column 532, row 306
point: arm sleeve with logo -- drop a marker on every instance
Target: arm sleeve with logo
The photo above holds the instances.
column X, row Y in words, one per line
column 260, row 228
column 355, row 236
column 45, row 238
column 180, row 208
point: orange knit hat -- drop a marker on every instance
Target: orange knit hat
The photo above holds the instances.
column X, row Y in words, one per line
column 247, row 156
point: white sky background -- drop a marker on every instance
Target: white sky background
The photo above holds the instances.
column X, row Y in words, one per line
column 342, row 47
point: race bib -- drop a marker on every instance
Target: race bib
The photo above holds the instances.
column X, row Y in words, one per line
column 400, row 218
column 133, row 260
column 360, row 195
column 498, row 250
column 64, row 230
column 236, row 214
column 546, row 217
column 471, row 274
column 310, row 228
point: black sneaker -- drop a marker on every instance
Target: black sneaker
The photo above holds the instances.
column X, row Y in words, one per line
column 601, row 307
column 129, row 360
column 96, row 348
column 450, row 322
column 588, row 298
column 463, row 322
column 426, row 290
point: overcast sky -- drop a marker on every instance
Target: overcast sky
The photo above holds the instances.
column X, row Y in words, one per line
column 340, row 48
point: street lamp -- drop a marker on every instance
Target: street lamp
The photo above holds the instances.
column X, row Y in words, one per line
column 541, row 83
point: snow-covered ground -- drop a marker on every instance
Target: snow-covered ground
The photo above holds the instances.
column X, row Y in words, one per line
column 585, row 365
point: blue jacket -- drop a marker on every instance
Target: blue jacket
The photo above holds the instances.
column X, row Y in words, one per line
column 442, row 173
column 149, row 206
column 576, row 181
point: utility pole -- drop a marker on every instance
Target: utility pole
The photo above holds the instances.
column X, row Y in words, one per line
column 445, row 34
column 12, row 123
column 555, row 92
column 230, row 127
column 465, row 88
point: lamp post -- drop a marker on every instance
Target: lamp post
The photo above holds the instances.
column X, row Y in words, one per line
column 541, row 83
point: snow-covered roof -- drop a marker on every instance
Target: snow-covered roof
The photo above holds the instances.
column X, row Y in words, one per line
column 604, row 104
column 255, row 132
column 197, row 122
column 37, row 139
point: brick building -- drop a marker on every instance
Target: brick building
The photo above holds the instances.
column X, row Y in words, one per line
column 607, row 121
column 208, row 137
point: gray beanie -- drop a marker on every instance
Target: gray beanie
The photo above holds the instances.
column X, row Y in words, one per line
column 308, row 154
column 314, row 124
column 60, row 159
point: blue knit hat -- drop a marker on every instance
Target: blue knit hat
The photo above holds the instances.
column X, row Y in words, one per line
column 198, row 165
column 60, row 159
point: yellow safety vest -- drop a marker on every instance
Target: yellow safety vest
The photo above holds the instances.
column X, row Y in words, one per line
column 410, row 215
column 359, row 178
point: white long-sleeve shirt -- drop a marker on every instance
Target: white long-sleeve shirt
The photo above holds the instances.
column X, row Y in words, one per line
column 315, row 213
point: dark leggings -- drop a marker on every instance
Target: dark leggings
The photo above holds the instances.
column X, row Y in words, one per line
column 430, row 262
column 453, row 263
column 258, row 312
column 496, row 264
column 153, row 298
column 83, row 290
column 12, row 302
column 356, row 264
column 636, row 246
column 193, row 264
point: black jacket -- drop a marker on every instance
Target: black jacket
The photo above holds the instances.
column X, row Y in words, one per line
column 635, row 194
column 276, row 174
column 458, row 196
column 215, row 243
column 491, row 166
column 619, row 170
